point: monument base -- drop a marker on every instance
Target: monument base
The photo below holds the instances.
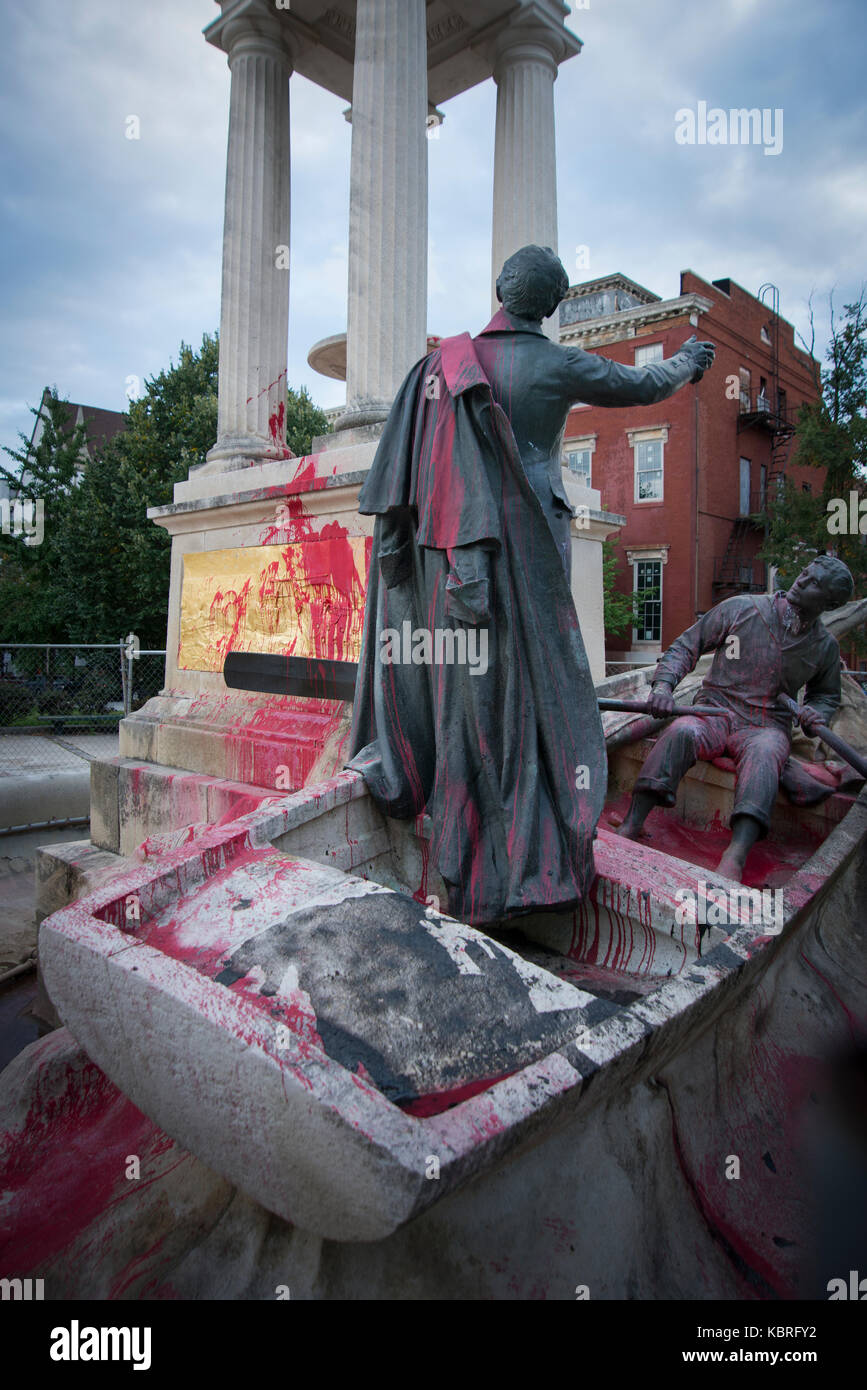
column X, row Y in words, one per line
column 274, row 559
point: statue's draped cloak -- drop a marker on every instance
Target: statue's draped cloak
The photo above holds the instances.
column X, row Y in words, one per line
column 510, row 762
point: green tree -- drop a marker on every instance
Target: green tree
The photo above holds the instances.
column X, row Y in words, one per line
column 34, row 603
column 304, row 421
column 103, row 569
column 116, row 561
column 831, row 434
column 621, row 610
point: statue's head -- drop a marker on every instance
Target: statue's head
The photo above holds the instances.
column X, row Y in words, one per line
column 532, row 283
column 825, row 583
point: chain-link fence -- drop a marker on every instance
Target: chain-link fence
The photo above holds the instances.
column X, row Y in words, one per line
column 61, row 703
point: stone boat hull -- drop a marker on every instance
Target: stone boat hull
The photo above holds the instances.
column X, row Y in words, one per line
column 414, row 1108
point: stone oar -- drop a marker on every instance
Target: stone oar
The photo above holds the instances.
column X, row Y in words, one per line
column 320, row 677
column 839, row 745
column 641, row 728
column 310, row 677
column 638, row 707
column 335, row 680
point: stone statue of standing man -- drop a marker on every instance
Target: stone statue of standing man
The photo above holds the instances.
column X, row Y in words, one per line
column 473, row 531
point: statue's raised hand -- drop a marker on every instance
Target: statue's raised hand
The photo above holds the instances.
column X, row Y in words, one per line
column 700, row 354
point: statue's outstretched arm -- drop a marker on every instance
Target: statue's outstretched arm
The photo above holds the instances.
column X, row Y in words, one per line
column 597, row 380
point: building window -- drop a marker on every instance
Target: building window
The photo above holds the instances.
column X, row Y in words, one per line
column 745, row 388
column 744, row 506
column 579, row 462
column 578, row 456
column 650, row 352
column 648, row 470
column 766, row 337
column 648, row 579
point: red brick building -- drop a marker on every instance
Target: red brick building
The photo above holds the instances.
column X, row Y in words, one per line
column 691, row 473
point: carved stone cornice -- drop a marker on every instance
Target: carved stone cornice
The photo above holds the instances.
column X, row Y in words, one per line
column 625, row 323
column 532, row 34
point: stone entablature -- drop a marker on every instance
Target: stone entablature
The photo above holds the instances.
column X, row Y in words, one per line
column 394, row 60
column 462, row 37
column 629, row 323
column 610, row 294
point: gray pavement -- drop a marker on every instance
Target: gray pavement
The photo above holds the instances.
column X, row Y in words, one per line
column 18, row 888
column 25, row 754
column 20, row 1020
column 45, row 778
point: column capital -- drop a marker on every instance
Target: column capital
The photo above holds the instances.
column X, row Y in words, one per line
column 532, row 34
column 257, row 31
column 521, row 45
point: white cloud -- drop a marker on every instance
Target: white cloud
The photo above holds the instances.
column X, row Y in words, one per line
column 113, row 247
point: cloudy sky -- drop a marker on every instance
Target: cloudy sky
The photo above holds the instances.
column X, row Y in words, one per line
column 111, row 247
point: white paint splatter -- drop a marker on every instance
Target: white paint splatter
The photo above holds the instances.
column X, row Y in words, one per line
column 454, row 938
column 546, row 992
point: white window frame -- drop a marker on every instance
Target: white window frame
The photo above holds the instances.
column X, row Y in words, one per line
column 580, row 473
column 585, row 443
column 633, row 557
column 647, row 560
column 636, row 437
column 642, row 360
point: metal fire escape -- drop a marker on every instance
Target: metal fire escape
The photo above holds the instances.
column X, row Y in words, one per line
column 763, row 409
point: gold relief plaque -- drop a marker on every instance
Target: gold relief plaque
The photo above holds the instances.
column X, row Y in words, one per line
column 300, row 599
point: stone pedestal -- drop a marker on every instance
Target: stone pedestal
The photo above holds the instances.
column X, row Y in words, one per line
column 589, row 529
column 387, row 329
column 254, row 319
column 274, row 565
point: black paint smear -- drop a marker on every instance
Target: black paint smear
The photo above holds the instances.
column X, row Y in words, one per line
column 370, row 962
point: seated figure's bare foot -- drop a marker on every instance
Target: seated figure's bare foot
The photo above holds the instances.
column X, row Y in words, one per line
column 631, row 829
column 639, row 809
column 731, row 866
column 745, row 831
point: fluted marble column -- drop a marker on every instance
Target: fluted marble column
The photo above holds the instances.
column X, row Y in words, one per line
column 388, row 211
column 525, row 160
column 254, row 319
